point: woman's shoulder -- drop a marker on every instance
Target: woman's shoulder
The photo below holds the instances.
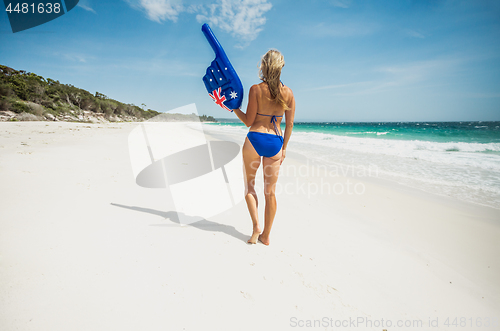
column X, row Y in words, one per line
column 260, row 86
column 262, row 89
column 287, row 92
column 258, row 89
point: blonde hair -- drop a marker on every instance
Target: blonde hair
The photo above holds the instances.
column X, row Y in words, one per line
column 270, row 72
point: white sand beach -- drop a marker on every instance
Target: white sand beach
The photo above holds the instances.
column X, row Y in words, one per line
column 83, row 247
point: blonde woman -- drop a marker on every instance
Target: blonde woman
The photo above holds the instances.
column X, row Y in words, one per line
column 268, row 102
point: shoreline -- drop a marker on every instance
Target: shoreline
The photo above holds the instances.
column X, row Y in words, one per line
column 439, row 168
column 79, row 116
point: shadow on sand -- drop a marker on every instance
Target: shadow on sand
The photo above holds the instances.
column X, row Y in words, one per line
column 204, row 224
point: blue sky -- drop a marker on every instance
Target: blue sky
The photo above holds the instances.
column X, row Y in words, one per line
column 346, row 60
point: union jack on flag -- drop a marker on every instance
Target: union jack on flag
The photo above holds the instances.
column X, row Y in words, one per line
column 218, row 99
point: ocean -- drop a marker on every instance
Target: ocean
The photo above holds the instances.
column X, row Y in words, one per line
column 457, row 159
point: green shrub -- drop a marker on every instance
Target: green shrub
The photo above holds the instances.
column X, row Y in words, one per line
column 5, row 104
column 36, row 108
column 6, row 90
column 20, row 107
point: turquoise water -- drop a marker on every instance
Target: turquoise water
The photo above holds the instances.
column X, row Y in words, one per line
column 468, row 132
column 458, row 159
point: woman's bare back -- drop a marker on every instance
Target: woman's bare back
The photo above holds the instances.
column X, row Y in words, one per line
column 267, row 106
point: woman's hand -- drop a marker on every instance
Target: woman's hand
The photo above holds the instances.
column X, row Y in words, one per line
column 283, row 154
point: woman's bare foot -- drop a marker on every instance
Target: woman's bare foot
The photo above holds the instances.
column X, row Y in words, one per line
column 253, row 238
column 264, row 240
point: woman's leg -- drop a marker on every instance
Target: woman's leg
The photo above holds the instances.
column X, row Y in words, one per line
column 251, row 162
column 271, row 171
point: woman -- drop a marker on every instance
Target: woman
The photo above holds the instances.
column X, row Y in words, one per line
column 268, row 102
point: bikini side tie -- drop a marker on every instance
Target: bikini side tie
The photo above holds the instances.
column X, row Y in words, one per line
column 274, row 120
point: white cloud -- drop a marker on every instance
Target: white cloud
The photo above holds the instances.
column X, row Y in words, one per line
column 159, row 10
column 393, row 77
column 414, row 73
column 73, row 57
column 86, row 5
column 342, row 3
column 243, row 19
column 413, row 33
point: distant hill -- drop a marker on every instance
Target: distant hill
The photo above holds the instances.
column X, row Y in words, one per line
column 28, row 96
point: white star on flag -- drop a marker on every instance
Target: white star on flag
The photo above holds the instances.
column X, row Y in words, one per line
column 233, row 95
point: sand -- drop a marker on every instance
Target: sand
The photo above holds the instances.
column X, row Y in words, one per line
column 82, row 247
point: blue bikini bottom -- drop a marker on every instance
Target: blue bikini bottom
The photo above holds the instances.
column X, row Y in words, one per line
column 265, row 144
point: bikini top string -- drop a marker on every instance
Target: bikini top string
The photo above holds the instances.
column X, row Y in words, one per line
column 274, row 121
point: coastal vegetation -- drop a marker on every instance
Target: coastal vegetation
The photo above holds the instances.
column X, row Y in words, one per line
column 34, row 97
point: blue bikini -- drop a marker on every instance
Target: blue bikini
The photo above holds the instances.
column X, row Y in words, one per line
column 267, row 144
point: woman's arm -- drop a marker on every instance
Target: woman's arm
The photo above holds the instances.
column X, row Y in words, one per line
column 289, row 117
column 249, row 117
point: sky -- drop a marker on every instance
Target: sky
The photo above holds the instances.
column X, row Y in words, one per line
column 346, row 60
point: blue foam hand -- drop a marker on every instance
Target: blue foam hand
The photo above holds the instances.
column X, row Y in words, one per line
column 221, row 80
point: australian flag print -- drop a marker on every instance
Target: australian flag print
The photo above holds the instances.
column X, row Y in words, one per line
column 221, row 80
